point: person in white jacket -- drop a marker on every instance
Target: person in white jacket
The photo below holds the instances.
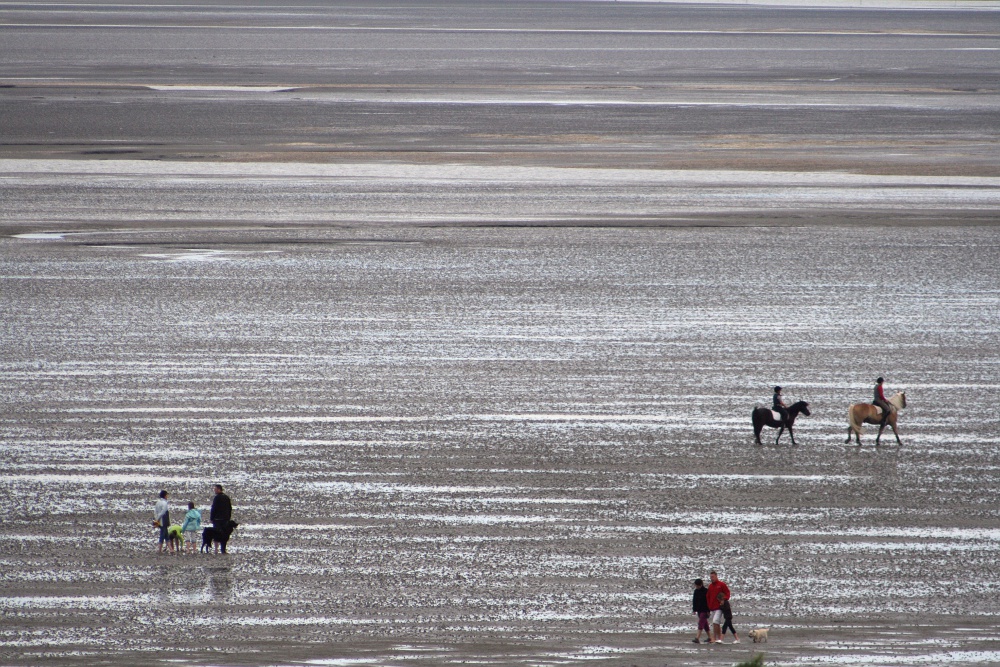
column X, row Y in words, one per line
column 161, row 517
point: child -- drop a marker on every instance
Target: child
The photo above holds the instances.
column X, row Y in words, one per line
column 700, row 606
column 191, row 526
column 727, row 614
column 176, row 538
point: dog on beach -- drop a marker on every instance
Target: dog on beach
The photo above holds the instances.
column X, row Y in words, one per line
column 218, row 536
column 759, row 635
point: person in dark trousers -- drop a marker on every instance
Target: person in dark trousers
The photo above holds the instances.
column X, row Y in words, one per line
column 778, row 405
column 727, row 616
column 700, row 607
column 161, row 518
column 879, row 400
column 222, row 509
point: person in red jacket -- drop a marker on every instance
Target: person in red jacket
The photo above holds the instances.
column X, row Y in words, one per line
column 715, row 604
column 879, row 400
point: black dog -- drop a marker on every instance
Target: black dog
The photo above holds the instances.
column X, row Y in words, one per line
column 218, row 535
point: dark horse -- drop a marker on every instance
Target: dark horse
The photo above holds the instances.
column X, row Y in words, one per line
column 763, row 417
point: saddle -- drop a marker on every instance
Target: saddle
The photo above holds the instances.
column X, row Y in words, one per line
column 776, row 415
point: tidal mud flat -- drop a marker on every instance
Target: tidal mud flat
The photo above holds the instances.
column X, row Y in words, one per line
column 495, row 446
column 468, row 304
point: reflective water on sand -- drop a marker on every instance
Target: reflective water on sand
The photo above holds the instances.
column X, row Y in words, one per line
column 470, row 433
column 39, row 190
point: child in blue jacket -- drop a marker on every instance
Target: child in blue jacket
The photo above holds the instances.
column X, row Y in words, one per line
column 190, row 527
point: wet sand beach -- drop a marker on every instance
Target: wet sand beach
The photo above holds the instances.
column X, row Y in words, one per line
column 468, row 305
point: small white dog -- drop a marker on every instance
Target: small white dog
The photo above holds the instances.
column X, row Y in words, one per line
column 759, row 635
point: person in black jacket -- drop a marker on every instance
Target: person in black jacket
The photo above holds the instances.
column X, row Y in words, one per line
column 727, row 615
column 778, row 405
column 700, row 607
column 222, row 509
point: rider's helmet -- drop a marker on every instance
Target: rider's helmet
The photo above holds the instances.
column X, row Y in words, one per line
column 777, row 389
column 879, row 380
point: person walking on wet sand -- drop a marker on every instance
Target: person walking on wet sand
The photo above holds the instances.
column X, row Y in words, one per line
column 727, row 615
column 222, row 509
column 699, row 605
column 716, row 588
column 161, row 518
column 880, row 401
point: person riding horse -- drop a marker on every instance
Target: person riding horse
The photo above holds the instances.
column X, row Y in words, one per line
column 881, row 402
column 761, row 417
column 778, row 405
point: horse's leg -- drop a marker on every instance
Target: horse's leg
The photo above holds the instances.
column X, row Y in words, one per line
column 853, row 427
column 780, row 431
column 757, row 426
column 852, row 430
column 895, row 432
column 881, row 427
column 791, row 435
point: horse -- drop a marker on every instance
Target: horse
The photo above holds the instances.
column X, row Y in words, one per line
column 866, row 413
column 763, row 417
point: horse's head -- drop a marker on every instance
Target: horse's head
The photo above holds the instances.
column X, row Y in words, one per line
column 801, row 407
column 899, row 400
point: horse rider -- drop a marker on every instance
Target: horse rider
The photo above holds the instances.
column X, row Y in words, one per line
column 880, row 401
column 778, row 405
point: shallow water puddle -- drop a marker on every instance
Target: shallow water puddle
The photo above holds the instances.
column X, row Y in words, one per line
column 41, row 236
column 956, row 657
column 204, row 255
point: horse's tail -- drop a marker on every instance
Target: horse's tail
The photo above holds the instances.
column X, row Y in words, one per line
column 852, row 419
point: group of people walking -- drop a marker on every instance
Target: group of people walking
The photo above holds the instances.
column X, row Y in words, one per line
column 220, row 515
column 711, row 606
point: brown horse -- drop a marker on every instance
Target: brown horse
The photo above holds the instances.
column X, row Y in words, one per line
column 866, row 413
